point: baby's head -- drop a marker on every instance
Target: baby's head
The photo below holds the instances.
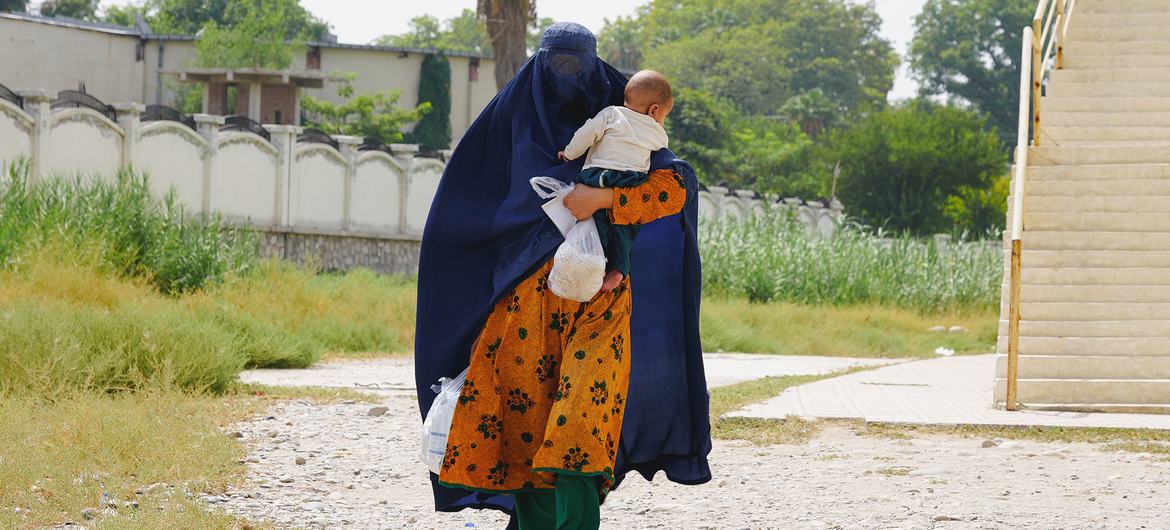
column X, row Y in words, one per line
column 649, row 92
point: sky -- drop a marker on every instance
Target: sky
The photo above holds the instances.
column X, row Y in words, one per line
column 361, row 21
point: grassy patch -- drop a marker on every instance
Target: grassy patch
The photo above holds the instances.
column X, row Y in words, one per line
column 60, row 458
column 791, row 430
column 736, row 325
column 1146, row 441
column 1162, row 450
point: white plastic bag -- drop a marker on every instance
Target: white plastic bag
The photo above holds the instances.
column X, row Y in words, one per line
column 551, row 188
column 437, row 424
column 579, row 264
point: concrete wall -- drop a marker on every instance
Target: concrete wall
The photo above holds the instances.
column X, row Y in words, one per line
column 339, row 207
column 120, row 65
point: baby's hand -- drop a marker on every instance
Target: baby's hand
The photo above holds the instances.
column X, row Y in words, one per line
column 612, row 279
column 561, row 156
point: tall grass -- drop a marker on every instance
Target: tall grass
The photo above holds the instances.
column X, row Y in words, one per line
column 772, row 257
column 132, row 231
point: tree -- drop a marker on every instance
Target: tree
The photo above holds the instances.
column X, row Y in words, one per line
column 507, row 25
column 188, row 17
column 700, row 131
column 620, row 42
column 811, row 110
column 373, row 115
column 900, row 167
column 126, row 15
column 79, row 9
column 970, row 50
column 262, row 34
column 464, row 33
column 759, row 53
column 434, row 87
column 13, row 6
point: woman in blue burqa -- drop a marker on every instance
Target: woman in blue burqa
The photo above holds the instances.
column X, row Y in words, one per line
column 562, row 398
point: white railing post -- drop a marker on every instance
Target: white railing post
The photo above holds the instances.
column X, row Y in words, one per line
column 1017, row 227
column 404, row 153
column 284, row 137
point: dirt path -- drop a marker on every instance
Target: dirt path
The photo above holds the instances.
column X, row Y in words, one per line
column 363, row 471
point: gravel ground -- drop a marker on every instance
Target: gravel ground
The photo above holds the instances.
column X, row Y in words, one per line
column 336, row 466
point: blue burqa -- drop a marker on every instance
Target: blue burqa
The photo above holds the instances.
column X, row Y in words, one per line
column 487, row 232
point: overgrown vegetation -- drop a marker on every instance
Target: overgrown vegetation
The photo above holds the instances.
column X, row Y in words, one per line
column 103, row 288
column 772, row 257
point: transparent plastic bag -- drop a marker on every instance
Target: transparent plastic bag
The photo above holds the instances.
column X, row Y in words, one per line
column 551, row 188
column 579, row 264
column 437, row 424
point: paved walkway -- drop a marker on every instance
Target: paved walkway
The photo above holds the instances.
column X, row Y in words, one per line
column 946, row 391
column 396, row 374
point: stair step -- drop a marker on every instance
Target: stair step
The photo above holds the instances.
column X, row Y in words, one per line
column 1095, row 240
column 1092, row 294
column 1088, row 134
column 1042, row 366
column 1090, row 391
column 1110, row 75
column 1096, row 259
column 1097, row 155
column 1119, row 7
column 1111, row 88
column 1138, row 60
column 1106, row 119
column 1091, row 328
column 1116, row 48
column 1087, row 19
column 1145, row 32
column 1096, row 187
column 1110, row 222
column 1037, row 275
column 1101, row 311
column 1116, row 103
column 1065, row 204
column 1132, row 172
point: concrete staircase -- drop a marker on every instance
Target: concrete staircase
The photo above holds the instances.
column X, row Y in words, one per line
column 1095, row 295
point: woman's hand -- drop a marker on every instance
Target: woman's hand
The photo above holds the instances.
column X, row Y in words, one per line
column 584, row 201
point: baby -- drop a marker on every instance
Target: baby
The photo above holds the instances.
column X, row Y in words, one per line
column 619, row 141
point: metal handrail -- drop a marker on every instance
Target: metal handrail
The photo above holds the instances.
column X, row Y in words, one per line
column 80, row 99
column 8, row 94
column 1041, row 41
column 317, row 136
column 236, row 122
column 165, row 113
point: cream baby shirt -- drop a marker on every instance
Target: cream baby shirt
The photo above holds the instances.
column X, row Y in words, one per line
column 618, row 138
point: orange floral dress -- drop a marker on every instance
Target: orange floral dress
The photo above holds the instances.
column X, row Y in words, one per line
column 547, row 385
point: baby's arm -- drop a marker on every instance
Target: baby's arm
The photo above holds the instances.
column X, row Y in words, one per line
column 584, row 138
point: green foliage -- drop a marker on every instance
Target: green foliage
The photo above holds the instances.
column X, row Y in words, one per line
column 759, row 53
column 262, row 34
column 773, row 258
column 375, row 116
column 434, row 87
column 724, row 147
column 13, row 6
column 812, row 110
column 139, row 236
column 464, row 33
column 620, row 41
column 188, row 17
column 79, row 9
column 899, row 166
column 970, row 50
column 980, row 210
column 126, row 15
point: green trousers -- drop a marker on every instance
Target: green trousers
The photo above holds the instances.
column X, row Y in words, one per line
column 573, row 505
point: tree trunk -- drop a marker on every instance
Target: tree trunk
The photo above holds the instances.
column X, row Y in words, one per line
column 507, row 25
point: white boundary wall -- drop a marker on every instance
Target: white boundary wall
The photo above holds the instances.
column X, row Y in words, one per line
column 280, row 185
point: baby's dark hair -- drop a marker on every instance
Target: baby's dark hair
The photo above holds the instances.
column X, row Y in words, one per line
column 646, row 88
